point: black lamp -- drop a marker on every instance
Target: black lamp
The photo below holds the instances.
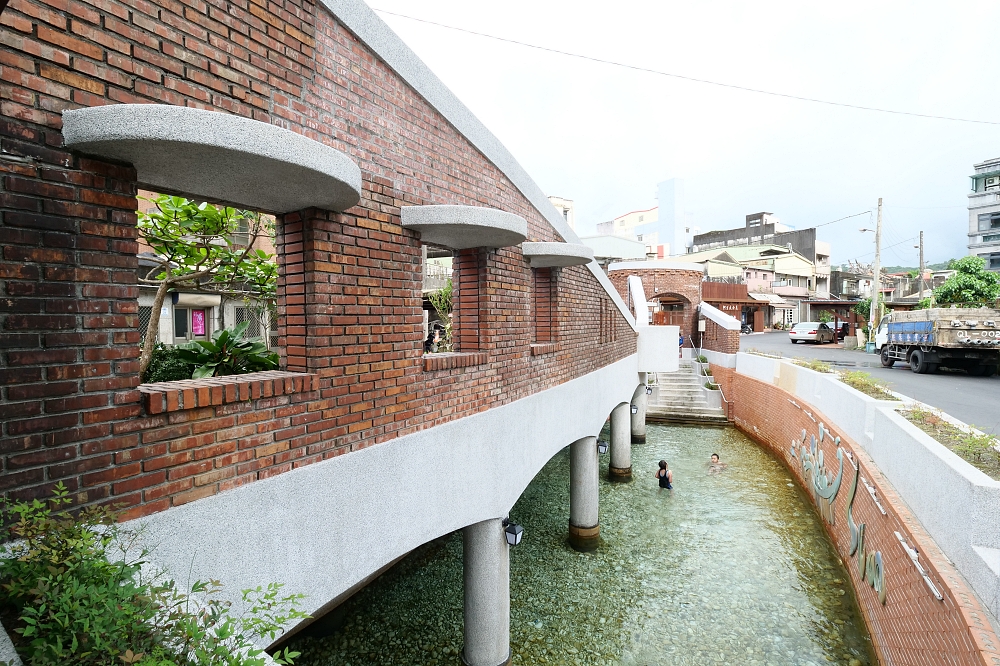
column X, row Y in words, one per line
column 635, row 409
column 512, row 532
column 649, row 390
column 602, row 446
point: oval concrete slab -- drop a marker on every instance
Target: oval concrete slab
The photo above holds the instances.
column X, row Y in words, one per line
column 217, row 156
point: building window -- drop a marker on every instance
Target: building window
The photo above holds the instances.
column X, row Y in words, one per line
column 190, row 324
column 145, row 314
column 544, row 304
column 992, row 261
column 243, row 315
column 989, row 221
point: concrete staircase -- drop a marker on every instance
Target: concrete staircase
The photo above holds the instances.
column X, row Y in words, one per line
column 678, row 397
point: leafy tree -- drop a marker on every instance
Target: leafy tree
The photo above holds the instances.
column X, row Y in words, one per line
column 824, row 317
column 971, row 285
column 205, row 248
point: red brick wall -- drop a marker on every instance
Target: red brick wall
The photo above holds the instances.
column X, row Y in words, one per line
column 350, row 283
column 717, row 338
column 660, row 282
column 912, row 627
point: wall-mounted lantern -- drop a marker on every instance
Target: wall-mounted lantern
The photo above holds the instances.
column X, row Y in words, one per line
column 649, row 390
column 602, row 446
column 512, row 532
column 634, row 408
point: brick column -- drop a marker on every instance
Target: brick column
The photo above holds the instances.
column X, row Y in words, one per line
column 68, row 317
column 469, row 271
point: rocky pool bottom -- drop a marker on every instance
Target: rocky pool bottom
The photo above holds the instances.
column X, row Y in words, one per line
column 727, row 568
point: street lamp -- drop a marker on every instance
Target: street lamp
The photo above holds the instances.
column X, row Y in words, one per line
column 512, row 532
column 602, row 446
column 649, row 390
column 634, row 408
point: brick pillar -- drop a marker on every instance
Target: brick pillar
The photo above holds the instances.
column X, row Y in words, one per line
column 469, row 272
column 68, row 316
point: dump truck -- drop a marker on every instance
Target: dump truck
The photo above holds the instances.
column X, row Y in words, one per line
column 963, row 338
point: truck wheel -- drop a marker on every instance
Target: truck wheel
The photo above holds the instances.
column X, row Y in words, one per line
column 990, row 371
column 886, row 361
column 917, row 363
column 976, row 370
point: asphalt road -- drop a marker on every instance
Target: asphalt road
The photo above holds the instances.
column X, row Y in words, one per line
column 974, row 400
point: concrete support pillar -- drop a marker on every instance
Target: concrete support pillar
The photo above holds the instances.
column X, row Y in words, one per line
column 639, row 399
column 621, row 444
column 487, row 594
column 584, row 482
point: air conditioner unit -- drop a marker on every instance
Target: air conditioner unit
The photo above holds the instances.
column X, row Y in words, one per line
column 993, row 183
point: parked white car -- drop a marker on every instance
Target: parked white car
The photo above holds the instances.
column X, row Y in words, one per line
column 813, row 331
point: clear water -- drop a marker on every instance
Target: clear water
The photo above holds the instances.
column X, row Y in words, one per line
column 730, row 568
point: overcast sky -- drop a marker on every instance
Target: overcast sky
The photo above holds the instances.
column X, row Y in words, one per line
column 604, row 135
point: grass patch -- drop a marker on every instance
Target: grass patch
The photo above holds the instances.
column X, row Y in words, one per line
column 864, row 382
column 979, row 450
column 814, row 364
column 758, row 352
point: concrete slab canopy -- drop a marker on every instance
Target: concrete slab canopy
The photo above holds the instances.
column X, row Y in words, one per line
column 545, row 255
column 464, row 227
column 217, row 156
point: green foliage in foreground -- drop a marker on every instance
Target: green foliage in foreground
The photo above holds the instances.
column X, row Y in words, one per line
column 166, row 365
column 77, row 596
column 228, row 353
column 814, row 364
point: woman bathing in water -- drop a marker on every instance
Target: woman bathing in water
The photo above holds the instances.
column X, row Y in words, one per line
column 665, row 476
column 716, row 465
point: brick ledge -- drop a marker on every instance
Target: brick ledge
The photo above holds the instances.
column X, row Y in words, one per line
column 191, row 393
column 450, row 360
column 540, row 348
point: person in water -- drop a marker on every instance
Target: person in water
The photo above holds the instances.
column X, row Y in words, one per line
column 665, row 476
column 716, row 465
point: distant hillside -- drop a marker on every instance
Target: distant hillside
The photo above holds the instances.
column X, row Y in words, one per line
column 940, row 266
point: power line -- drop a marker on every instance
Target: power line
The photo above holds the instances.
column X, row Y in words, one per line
column 648, row 70
column 883, row 249
column 864, row 212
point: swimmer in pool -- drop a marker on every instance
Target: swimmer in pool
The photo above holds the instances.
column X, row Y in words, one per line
column 716, row 465
column 664, row 475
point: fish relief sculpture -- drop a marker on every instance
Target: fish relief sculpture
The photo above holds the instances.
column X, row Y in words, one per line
column 817, row 479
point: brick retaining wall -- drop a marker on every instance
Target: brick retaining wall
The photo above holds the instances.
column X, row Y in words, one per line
column 912, row 627
column 350, row 286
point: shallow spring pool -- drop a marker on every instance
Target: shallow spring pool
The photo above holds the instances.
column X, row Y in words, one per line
column 732, row 568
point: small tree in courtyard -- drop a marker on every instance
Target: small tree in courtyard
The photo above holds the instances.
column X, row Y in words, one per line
column 971, row 285
column 205, row 248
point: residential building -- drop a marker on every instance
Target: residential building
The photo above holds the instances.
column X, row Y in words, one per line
column 984, row 212
column 766, row 229
column 565, row 208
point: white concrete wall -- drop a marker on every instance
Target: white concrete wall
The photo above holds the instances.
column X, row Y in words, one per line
column 658, row 348
column 957, row 504
column 325, row 528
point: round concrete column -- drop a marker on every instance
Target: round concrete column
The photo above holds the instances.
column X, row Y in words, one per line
column 621, row 444
column 487, row 594
column 639, row 399
column 584, row 481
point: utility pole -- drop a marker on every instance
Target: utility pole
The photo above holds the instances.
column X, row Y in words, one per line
column 921, row 292
column 876, row 309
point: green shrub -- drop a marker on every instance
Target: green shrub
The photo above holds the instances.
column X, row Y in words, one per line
column 166, row 365
column 813, row 364
column 711, row 386
column 706, row 372
column 228, row 353
column 78, row 598
column 703, row 359
column 864, row 382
